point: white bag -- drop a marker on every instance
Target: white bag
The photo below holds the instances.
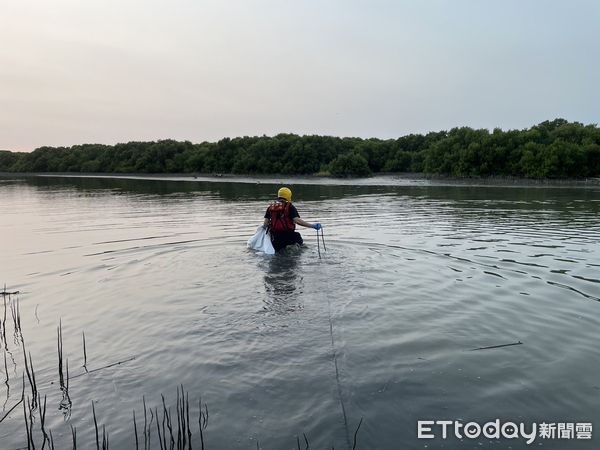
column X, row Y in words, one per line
column 261, row 242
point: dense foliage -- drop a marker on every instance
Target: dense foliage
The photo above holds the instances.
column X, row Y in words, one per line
column 552, row 149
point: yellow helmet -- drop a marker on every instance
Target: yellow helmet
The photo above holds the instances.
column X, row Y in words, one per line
column 285, row 193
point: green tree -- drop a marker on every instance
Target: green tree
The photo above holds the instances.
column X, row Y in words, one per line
column 556, row 148
column 350, row 164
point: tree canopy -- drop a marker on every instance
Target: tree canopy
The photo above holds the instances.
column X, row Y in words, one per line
column 551, row 149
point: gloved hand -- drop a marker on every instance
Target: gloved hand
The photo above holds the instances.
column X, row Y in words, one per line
column 317, row 226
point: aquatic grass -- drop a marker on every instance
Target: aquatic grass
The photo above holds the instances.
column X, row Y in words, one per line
column 5, row 369
column 173, row 422
column 59, row 346
column 43, row 420
column 16, row 317
column 131, row 358
column 491, row 347
column 135, row 430
column 65, row 403
column 20, row 341
column 160, row 441
column 16, row 404
column 356, row 434
column 27, row 430
column 174, row 431
column 202, row 421
column 95, row 426
column 74, row 436
column 187, row 416
column 104, row 438
column 30, row 377
column 145, row 423
column 167, row 419
column 3, row 335
column 8, row 293
column 149, row 427
column 84, row 352
column 305, row 441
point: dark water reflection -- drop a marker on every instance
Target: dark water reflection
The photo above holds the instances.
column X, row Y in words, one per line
column 415, row 276
column 283, row 284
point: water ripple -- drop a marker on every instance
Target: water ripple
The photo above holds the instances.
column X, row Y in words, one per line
column 414, row 277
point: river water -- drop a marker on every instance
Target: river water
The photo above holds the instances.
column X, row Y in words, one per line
column 381, row 328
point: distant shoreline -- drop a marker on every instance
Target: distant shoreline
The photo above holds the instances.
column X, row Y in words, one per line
column 551, row 150
column 389, row 179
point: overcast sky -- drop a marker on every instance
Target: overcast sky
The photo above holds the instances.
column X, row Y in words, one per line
column 79, row 71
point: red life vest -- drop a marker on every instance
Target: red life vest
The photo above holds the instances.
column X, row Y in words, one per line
column 280, row 217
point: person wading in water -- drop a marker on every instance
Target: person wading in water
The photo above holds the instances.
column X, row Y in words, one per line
column 281, row 219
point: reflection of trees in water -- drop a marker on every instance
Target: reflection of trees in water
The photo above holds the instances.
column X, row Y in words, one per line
column 283, row 284
column 463, row 197
column 225, row 189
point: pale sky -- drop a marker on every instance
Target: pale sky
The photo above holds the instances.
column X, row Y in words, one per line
column 108, row 71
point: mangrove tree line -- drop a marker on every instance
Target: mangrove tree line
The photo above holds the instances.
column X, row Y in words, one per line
column 552, row 149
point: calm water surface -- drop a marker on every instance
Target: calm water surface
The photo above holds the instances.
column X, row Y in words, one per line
column 415, row 276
